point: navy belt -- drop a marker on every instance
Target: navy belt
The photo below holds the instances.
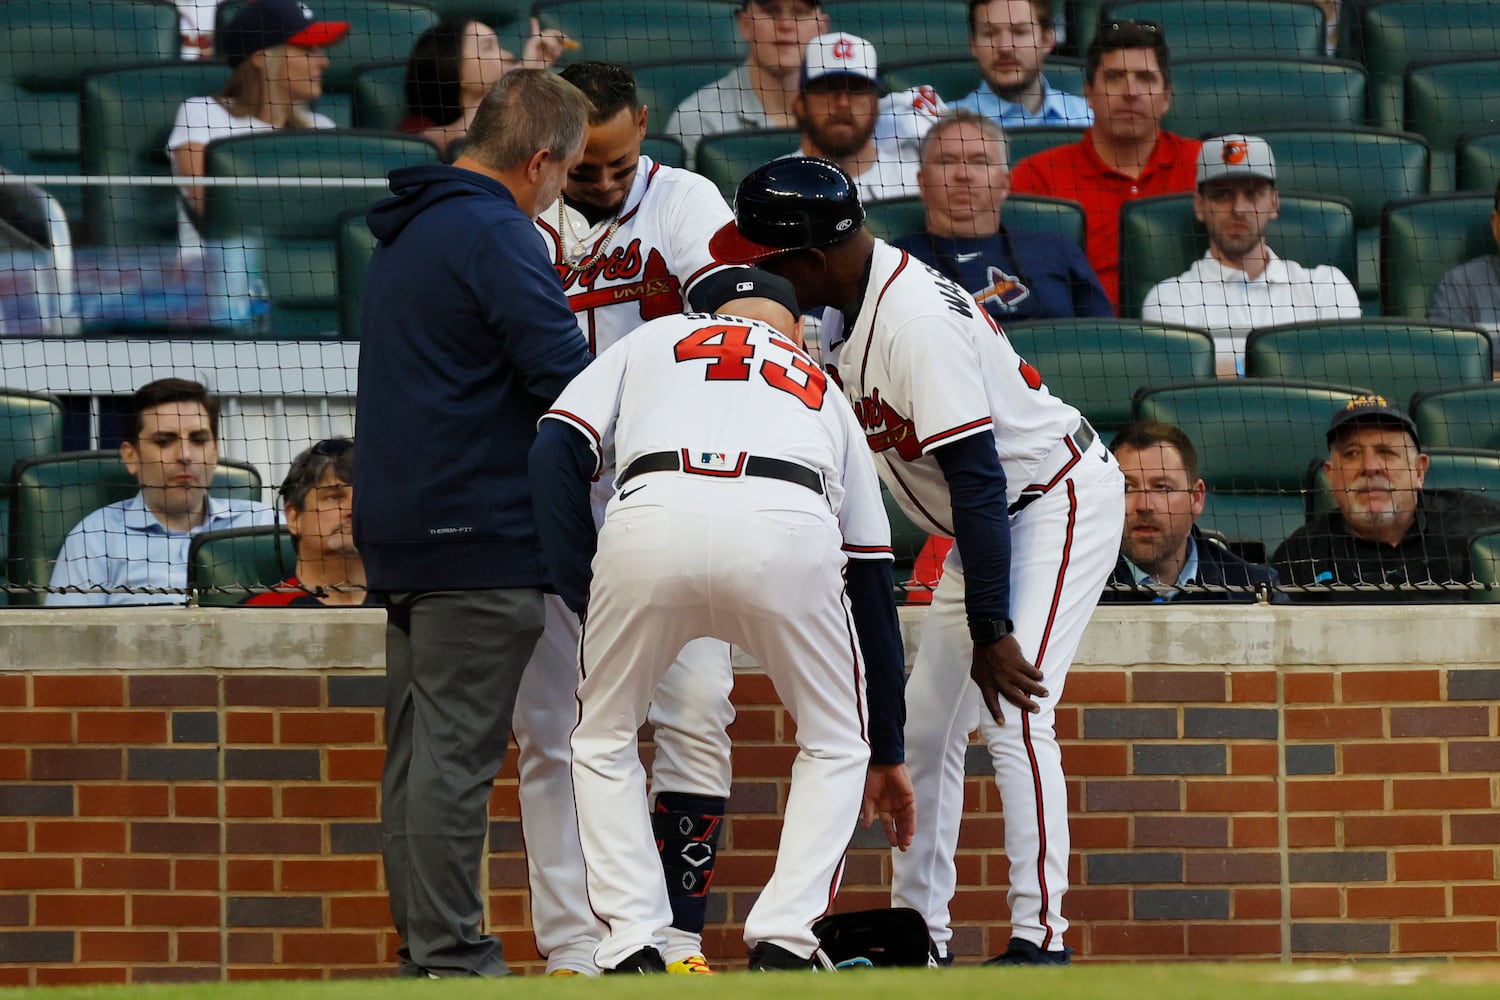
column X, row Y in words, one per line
column 755, row 465
column 1083, row 437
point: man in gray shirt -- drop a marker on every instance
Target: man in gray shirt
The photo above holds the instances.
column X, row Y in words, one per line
column 1470, row 292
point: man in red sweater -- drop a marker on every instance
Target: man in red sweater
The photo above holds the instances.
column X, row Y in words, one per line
column 1125, row 154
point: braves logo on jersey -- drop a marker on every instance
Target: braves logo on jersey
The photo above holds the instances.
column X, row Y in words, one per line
column 885, row 428
column 657, row 290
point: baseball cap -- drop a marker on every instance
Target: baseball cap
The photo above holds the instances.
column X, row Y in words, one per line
column 1229, row 156
column 264, row 24
column 743, row 283
column 839, row 54
column 1371, row 410
column 794, row 203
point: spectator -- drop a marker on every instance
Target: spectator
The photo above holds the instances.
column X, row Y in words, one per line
column 1389, row 534
column 454, row 64
column 275, row 51
column 1163, row 555
column 196, row 18
column 837, row 109
column 760, row 93
column 1010, row 40
column 171, row 447
column 1239, row 283
column 317, row 496
column 1124, row 154
column 1470, row 292
column 965, row 179
column 466, row 340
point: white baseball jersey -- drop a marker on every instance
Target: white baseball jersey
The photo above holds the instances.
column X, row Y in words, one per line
column 717, row 542
column 940, row 370
column 759, row 394
column 649, row 263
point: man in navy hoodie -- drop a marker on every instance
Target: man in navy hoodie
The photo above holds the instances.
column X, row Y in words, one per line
column 467, row 340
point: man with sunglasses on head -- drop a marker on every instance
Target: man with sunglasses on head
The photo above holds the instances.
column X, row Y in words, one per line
column 1240, row 283
column 318, row 498
column 965, row 180
column 1125, row 154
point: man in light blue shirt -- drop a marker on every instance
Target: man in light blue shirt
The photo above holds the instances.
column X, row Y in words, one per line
column 1010, row 40
column 135, row 551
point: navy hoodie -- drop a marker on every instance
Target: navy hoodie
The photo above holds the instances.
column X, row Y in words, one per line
column 466, row 340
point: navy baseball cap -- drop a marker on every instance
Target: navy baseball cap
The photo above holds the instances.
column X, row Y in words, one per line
column 264, row 24
column 743, row 283
column 1371, row 410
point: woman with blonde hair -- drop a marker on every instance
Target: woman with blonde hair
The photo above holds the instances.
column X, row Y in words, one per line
column 275, row 51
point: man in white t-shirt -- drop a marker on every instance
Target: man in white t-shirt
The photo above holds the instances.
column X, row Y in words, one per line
column 837, row 110
column 1240, row 284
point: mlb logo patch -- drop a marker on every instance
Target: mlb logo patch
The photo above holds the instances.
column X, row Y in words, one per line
column 713, row 460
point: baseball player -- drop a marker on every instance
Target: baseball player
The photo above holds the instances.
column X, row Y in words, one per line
column 629, row 238
column 740, row 469
column 973, row 447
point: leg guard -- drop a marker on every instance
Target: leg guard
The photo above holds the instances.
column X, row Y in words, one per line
column 687, row 831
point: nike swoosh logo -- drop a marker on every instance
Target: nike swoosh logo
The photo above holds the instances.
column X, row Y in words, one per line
column 627, row 494
column 964, row 258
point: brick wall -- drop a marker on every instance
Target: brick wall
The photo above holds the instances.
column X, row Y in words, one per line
column 193, row 795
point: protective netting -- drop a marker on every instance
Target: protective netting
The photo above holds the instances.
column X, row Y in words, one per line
column 1383, row 119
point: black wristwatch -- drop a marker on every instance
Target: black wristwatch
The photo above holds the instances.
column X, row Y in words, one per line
column 987, row 630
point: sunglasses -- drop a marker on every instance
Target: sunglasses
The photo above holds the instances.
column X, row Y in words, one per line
column 333, row 447
column 1126, row 27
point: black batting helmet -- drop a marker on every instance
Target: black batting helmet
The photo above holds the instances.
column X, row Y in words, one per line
column 789, row 204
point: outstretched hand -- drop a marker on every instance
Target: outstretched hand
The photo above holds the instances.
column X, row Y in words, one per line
column 1002, row 670
column 542, row 47
column 889, row 795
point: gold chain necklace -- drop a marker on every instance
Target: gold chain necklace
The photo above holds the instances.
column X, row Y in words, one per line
column 565, row 228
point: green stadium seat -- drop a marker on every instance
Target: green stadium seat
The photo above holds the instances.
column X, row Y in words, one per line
column 1467, row 417
column 1367, row 166
column 379, row 95
column 1421, row 238
column 1447, row 100
column 664, row 85
column 1098, row 364
column 355, row 247
column 45, row 47
column 664, row 150
column 127, row 115
column 635, row 33
column 1025, row 142
column 902, row 31
column 505, row 16
column 1469, row 469
column 1398, row 358
column 1255, row 438
column 295, row 228
column 1080, row 17
column 1285, row 29
column 727, row 157
column 380, row 31
column 1478, row 159
column 31, row 426
column 1213, row 96
column 895, row 217
column 1484, row 561
column 49, row 495
column 1397, row 35
column 225, row 567
column 951, row 78
column 1160, row 238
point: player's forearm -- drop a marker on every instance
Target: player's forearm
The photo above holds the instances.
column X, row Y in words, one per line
column 872, row 602
column 981, row 524
column 561, row 467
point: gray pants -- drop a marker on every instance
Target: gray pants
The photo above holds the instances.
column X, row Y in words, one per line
column 454, row 660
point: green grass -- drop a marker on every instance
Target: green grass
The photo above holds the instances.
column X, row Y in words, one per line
column 1100, row 981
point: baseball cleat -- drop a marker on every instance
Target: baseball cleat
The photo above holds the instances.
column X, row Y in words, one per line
column 643, row 962
column 693, row 965
column 1020, row 952
column 564, row 972
column 768, row 957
